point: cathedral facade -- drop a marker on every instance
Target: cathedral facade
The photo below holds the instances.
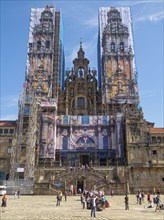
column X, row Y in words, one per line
column 82, row 117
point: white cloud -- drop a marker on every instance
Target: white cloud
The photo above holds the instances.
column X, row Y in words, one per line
column 92, row 22
column 155, row 17
column 90, row 49
column 134, row 3
column 69, row 58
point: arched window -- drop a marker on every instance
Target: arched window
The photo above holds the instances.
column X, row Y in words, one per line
column 81, row 73
column 112, row 47
column 105, row 142
column 80, row 102
column 47, row 44
column 158, row 140
column 39, row 45
column 65, row 143
column 122, row 46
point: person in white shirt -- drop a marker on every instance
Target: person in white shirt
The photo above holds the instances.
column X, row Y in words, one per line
column 93, row 205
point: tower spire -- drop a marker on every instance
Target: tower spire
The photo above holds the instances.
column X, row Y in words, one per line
column 80, row 43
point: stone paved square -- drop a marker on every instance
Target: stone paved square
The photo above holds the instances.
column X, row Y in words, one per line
column 44, row 208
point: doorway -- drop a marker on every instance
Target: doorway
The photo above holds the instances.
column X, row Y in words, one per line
column 80, row 186
column 84, row 159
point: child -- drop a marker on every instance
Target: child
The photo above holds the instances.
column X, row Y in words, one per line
column 4, row 202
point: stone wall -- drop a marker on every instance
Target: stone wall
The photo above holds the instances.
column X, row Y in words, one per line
column 26, row 187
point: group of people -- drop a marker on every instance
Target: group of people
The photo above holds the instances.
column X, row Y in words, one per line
column 151, row 201
column 94, row 200
column 60, row 196
column 17, row 194
column 97, row 201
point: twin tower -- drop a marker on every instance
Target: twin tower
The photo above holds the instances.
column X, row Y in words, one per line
column 77, row 116
column 82, row 91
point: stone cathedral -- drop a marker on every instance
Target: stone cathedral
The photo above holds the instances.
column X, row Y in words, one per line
column 82, row 127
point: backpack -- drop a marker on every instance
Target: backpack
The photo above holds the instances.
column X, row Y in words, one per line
column 157, row 199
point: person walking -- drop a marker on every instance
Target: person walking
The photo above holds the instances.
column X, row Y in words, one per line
column 15, row 194
column 4, row 202
column 83, row 201
column 93, row 206
column 148, row 198
column 18, row 194
column 140, row 198
column 65, row 195
column 126, row 202
column 58, row 199
column 157, row 203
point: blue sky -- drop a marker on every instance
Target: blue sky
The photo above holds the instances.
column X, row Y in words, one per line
column 80, row 20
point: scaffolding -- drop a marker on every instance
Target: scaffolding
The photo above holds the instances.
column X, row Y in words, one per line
column 32, row 138
column 17, row 145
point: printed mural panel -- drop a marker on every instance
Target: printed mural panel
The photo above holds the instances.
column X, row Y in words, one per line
column 69, row 133
column 47, row 136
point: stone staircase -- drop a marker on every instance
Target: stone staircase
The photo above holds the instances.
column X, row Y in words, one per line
column 92, row 178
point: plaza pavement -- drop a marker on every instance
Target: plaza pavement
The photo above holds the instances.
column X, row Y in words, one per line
column 44, row 208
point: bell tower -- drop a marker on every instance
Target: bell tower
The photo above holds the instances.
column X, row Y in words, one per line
column 119, row 83
column 39, row 66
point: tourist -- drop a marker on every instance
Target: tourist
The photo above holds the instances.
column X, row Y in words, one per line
column 4, row 202
column 83, row 201
column 126, row 202
column 103, row 200
column 93, row 205
column 65, row 195
column 157, row 201
column 58, row 199
column 140, row 198
column 18, row 194
column 15, row 194
column 74, row 191
column 148, row 198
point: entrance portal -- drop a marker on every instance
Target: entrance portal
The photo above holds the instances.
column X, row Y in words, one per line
column 84, row 159
column 80, row 186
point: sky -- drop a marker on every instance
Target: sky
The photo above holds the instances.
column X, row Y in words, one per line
column 80, row 20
